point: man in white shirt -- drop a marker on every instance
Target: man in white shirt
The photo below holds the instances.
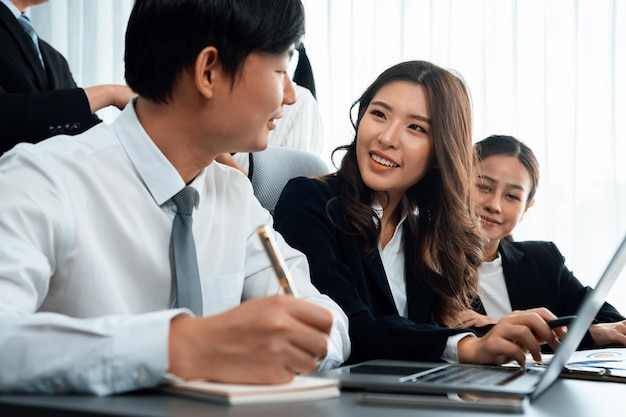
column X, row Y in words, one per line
column 86, row 287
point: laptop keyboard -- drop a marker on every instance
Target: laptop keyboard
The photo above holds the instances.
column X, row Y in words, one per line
column 469, row 376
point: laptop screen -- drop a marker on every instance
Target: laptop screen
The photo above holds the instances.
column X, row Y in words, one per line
column 586, row 313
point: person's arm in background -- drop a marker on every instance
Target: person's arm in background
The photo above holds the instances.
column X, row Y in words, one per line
column 101, row 96
column 471, row 318
column 37, row 116
column 228, row 159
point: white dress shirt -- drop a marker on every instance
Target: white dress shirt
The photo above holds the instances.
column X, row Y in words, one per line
column 85, row 275
column 392, row 257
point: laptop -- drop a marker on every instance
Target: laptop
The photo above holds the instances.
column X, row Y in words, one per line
column 408, row 377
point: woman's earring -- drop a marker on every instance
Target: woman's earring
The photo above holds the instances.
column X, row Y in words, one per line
column 427, row 217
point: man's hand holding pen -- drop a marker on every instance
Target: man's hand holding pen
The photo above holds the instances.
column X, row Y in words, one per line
column 264, row 340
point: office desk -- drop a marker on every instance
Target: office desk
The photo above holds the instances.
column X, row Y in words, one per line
column 569, row 398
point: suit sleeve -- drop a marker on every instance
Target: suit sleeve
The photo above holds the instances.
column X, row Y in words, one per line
column 334, row 260
column 37, row 116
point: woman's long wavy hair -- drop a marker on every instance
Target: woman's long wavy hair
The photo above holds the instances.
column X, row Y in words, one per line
column 443, row 243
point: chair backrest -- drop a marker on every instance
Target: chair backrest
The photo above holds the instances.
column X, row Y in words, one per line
column 272, row 168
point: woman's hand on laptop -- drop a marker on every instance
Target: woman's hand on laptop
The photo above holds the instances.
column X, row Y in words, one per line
column 511, row 338
column 609, row 333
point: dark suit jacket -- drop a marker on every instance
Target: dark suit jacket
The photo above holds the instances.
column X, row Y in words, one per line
column 36, row 103
column 536, row 276
column 357, row 282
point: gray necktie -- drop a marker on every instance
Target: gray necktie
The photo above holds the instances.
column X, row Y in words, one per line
column 185, row 262
column 30, row 30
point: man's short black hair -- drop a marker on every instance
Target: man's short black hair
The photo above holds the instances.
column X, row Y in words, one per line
column 165, row 36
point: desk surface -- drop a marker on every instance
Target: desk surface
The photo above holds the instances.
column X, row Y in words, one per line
column 570, row 398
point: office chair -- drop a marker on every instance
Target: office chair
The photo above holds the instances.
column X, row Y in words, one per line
column 272, row 168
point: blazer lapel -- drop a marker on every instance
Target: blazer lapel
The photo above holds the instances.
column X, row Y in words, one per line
column 382, row 291
column 419, row 300
column 516, row 284
column 25, row 45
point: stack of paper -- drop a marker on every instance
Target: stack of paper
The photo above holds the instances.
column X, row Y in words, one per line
column 604, row 364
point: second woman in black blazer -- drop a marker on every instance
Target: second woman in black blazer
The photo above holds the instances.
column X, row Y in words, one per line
column 524, row 275
column 392, row 236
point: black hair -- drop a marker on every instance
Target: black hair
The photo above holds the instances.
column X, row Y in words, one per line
column 303, row 74
column 164, row 37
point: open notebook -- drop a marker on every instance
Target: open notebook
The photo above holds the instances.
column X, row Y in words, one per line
column 301, row 388
column 503, row 381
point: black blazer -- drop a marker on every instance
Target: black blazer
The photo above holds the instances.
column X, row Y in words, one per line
column 536, row 276
column 36, row 103
column 357, row 282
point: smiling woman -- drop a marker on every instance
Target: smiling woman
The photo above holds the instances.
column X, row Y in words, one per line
column 392, row 236
column 518, row 275
column 394, row 147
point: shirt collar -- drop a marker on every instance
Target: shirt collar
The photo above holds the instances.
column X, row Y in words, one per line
column 155, row 170
column 16, row 12
column 378, row 209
